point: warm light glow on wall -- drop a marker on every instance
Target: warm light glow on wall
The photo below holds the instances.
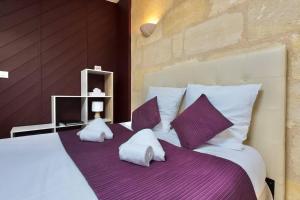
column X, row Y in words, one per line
column 152, row 20
column 152, row 11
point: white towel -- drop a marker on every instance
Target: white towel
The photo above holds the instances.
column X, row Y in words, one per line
column 148, row 138
column 100, row 125
column 91, row 135
column 136, row 153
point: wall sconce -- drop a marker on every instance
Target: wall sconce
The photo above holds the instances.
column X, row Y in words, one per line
column 147, row 29
column 113, row 1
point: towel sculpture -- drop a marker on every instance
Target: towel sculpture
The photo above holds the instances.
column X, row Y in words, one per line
column 91, row 135
column 136, row 153
column 141, row 148
column 95, row 131
column 97, row 93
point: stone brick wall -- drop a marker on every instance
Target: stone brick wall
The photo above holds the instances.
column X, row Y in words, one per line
column 208, row 29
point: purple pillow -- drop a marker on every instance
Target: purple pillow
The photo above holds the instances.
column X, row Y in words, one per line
column 199, row 123
column 146, row 116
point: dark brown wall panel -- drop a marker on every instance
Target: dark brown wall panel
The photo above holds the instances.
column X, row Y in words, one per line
column 123, row 71
column 19, row 16
column 44, row 44
column 20, row 95
column 63, row 50
column 102, row 43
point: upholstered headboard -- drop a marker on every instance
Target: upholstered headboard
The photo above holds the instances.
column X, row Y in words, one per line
column 266, row 66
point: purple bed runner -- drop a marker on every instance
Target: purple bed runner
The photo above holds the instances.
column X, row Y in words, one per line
column 185, row 174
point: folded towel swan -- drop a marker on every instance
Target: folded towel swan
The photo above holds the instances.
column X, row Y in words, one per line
column 95, row 131
column 100, row 125
column 137, row 151
column 91, row 135
column 147, row 137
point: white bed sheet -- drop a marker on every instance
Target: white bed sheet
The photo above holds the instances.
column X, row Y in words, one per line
column 248, row 158
column 38, row 167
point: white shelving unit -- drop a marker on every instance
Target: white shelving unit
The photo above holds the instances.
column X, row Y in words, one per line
column 39, row 127
column 85, row 99
column 108, row 89
column 42, row 127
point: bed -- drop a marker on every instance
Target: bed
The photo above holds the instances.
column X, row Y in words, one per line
column 249, row 159
column 266, row 66
column 58, row 166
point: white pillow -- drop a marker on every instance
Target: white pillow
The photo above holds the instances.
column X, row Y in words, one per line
column 169, row 100
column 100, row 125
column 235, row 103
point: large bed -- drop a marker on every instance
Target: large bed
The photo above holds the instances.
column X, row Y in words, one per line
column 60, row 166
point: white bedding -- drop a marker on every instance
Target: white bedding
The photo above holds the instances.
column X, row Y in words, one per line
column 41, row 164
column 39, row 168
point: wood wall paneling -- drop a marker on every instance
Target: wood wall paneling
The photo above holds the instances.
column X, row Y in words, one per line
column 20, row 95
column 44, row 44
column 123, row 71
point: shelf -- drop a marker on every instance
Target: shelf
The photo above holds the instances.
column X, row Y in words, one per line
column 32, row 128
column 20, row 129
column 83, row 100
column 70, row 125
column 104, row 81
column 79, row 124
column 64, row 96
column 92, row 71
column 99, row 97
column 41, row 127
column 105, row 120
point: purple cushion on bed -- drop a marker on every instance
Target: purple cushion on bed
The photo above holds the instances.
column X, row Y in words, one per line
column 146, row 116
column 199, row 123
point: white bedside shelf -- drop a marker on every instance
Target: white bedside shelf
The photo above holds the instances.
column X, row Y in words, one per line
column 85, row 99
column 92, row 71
column 21, row 129
column 41, row 127
column 65, row 96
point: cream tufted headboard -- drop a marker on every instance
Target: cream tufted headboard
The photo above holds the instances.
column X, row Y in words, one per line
column 266, row 66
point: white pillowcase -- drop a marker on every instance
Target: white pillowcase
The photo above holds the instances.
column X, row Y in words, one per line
column 100, row 125
column 235, row 103
column 169, row 100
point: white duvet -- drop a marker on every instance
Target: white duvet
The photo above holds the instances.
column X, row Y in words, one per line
column 39, row 168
